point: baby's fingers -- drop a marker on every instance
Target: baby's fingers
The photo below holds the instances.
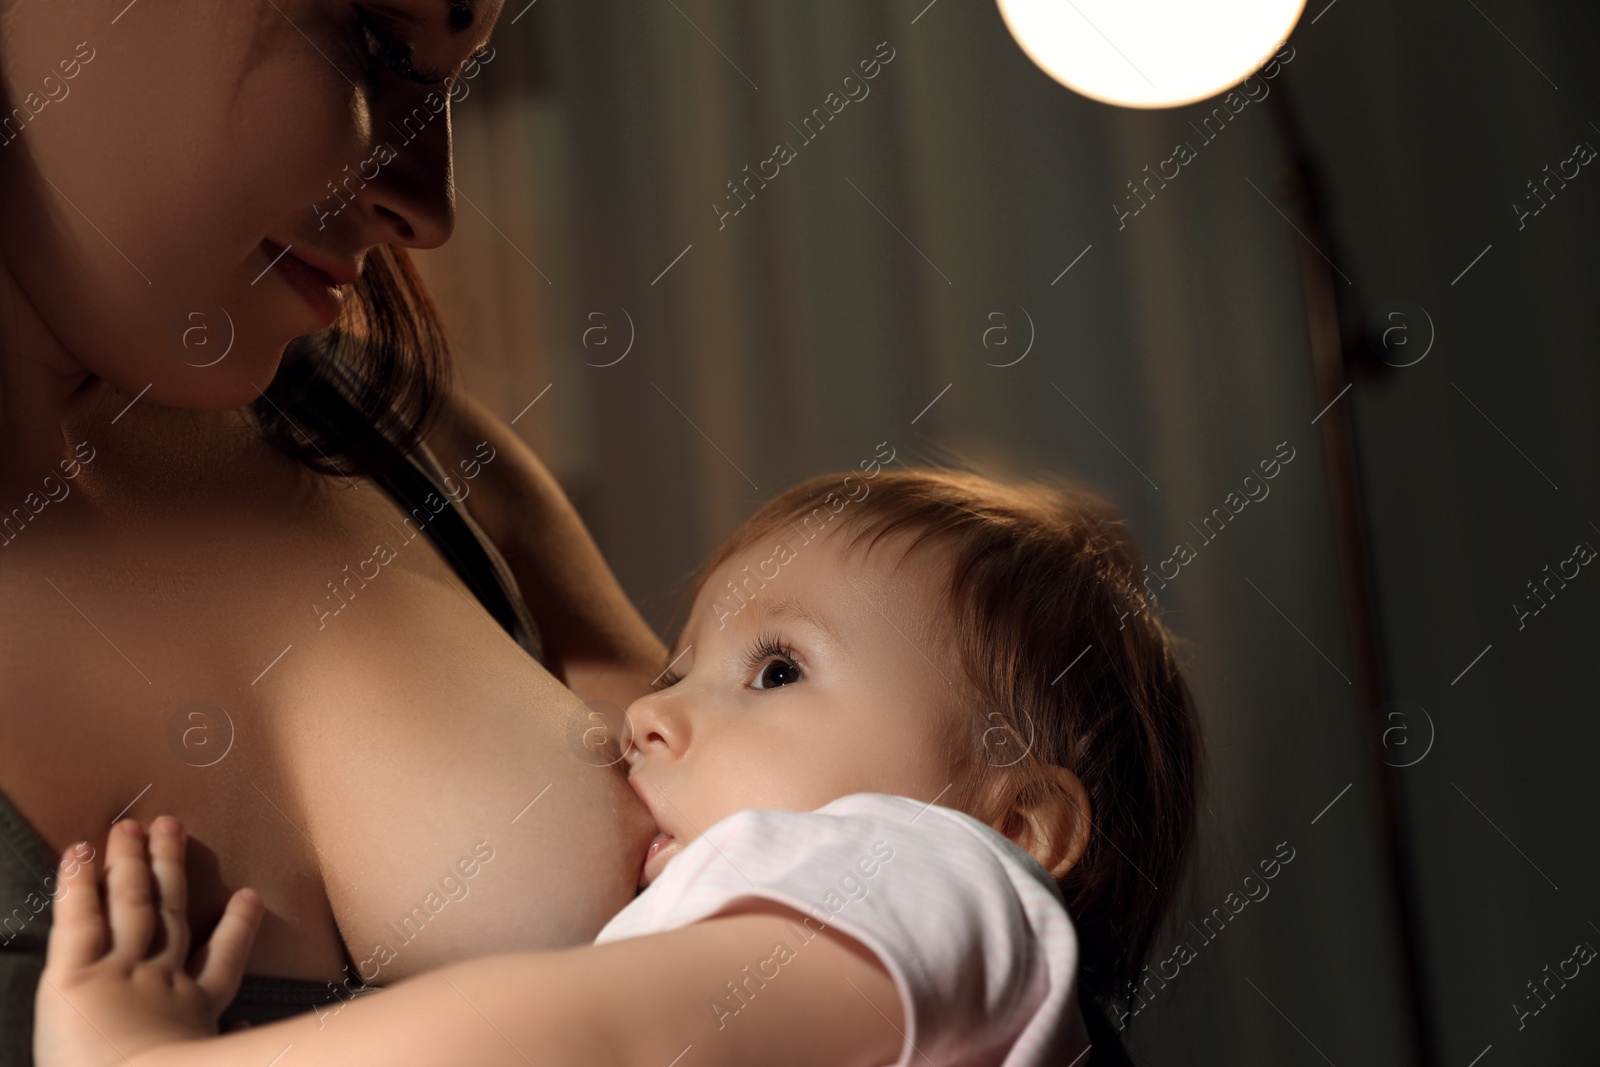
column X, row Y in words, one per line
column 166, row 862
column 77, row 924
column 218, row 966
column 129, row 895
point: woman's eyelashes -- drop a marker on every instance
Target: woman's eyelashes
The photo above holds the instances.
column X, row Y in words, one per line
column 380, row 52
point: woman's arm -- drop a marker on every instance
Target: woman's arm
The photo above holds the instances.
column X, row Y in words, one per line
column 738, row 989
column 597, row 642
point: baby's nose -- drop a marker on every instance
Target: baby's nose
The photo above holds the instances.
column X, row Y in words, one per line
column 658, row 725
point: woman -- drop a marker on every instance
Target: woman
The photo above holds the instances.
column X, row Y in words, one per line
column 196, row 617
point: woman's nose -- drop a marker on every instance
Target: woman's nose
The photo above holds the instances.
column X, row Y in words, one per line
column 659, row 725
column 412, row 200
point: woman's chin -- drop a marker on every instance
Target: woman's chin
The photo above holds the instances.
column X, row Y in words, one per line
column 237, row 379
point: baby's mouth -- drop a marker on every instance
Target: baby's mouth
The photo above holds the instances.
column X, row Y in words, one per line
column 661, row 841
column 655, row 858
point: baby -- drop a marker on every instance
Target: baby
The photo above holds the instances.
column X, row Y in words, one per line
column 915, row 720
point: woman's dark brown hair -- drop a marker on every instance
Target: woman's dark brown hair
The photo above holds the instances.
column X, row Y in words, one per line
column 355, row 397
column 1043, row 578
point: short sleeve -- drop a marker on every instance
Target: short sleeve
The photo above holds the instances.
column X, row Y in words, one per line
column 970, row 927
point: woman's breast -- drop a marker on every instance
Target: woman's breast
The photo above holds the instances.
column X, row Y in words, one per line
column 442, row 774
column 437, row 767
column 336, row 720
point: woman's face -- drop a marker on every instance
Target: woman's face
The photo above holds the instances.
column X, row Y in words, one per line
column 158, row 156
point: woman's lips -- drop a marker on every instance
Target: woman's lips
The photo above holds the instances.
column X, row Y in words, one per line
column 315, row 287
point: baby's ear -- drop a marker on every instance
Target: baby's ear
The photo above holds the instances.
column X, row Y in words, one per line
column 1049, row 817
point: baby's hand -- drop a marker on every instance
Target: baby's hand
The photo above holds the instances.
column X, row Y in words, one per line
column 107, row 992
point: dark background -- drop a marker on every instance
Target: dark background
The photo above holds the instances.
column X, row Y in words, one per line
column 1173, row 356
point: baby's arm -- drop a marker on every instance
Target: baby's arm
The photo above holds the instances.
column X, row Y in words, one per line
column 645, row 1001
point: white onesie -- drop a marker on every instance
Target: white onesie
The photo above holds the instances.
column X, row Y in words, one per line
column 971, row 927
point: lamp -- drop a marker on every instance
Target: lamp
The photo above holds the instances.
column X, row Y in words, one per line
column 1150, row 53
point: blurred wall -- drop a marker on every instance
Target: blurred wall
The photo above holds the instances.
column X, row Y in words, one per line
column 941, row 266
column 1429, row 119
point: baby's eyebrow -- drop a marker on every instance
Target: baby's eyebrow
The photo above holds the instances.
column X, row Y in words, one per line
column 781, row 608
column 789, row 608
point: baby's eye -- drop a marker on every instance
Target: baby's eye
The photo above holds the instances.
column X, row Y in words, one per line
column 776, row 673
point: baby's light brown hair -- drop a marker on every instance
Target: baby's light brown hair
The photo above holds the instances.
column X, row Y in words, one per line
column 1043, row 577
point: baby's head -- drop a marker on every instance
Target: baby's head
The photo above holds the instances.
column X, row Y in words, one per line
column 942, row 636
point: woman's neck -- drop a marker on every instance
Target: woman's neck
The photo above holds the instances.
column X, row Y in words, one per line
column 53, row 409
column 46, row 395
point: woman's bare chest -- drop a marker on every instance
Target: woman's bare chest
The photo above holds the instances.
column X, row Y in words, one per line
column 302, row 688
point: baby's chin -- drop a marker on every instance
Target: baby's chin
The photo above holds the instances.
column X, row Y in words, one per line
column 660, row 853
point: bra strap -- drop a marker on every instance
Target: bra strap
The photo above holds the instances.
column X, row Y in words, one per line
column 462, row 544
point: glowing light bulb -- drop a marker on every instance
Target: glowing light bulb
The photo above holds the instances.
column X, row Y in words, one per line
column 1150, row 53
